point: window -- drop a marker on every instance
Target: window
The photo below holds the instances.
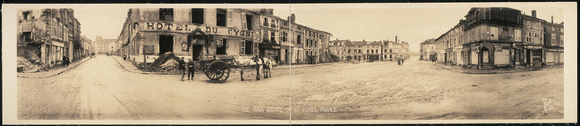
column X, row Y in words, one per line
column 221, row 15
column 391, row 50
column 553, row 28
column 377, row 51
column 493, row 33
column 298, row 40
column 372, row 51
column 197, row 15
column 349, row 51
column 221, row 46
column 25, row 15
column 266, row 36
column 255, row 48
column 368, row 51
column 249, row 21
column 273, row 37
column 248, row 48
column 166, row 14
column 553, row 39
column 359, row 51
column 26, row 36
column 517, row 35
column 273, row 24
column 385, row 51
column 266, row 22
column 562, row 40
column 529, row 37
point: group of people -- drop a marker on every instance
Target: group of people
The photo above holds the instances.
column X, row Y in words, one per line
column 189, row 67
column 65, row 61
column 401, row 61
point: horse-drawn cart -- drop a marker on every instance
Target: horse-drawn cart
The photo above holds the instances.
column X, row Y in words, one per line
column 218, row 67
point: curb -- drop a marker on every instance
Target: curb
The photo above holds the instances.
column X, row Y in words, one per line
column 493, row 72
column 58, row 72
column 152, row 73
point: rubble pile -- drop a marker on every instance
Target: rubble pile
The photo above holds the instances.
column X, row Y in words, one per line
column 167, row 63
column 23, row 65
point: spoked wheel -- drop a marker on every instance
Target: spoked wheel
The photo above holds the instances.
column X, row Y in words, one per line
column 218, row 71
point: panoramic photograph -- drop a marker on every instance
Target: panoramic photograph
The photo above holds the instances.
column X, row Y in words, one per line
column 297, row 62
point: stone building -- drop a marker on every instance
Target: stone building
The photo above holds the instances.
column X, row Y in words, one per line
column 155, row 31
column 45, row 36
column 427, row 50
column 492, row 35
column 270, row 29
column 103, row 45
column 532, row 37
column 553, row 43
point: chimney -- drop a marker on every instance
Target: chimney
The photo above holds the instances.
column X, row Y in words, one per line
column 552, row 18
column 396, row 39
column 293, row 18
column 534, row 13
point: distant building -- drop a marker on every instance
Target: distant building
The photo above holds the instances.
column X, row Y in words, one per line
column 103, row 46
column 427, row 50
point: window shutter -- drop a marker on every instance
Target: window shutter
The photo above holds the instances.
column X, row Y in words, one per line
column 255, row 48
column 243, row 47
column 230, row 18
column 244, row 22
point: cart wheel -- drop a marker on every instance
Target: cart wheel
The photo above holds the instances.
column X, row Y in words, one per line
column 218, row 71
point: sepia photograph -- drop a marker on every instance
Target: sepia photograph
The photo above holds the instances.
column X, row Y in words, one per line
column 290, row 63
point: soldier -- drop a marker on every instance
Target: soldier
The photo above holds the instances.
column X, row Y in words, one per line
column 190, row 69
column 182, row 68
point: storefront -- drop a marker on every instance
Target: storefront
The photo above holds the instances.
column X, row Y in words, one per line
column 554, row 56
column 271, row 50
column 488, row 55
column 532, row 53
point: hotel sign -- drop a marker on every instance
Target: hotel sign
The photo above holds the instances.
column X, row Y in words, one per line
column 186, row 28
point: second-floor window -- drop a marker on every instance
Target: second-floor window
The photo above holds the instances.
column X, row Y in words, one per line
column 266, row 22
column 273, row 37
column 166, row 14
column 249, row 21
column 553, row 39
column 197, row 15
column 221, row 17
column 562, row 40
column 273, row 24
column 298, row 40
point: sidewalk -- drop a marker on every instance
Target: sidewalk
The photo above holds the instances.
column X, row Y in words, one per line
column 52, row 72
column 492, row 71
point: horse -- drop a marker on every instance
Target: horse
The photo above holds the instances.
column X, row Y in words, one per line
column 254, row 62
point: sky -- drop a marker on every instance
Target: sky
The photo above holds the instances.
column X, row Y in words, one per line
column 412, row 23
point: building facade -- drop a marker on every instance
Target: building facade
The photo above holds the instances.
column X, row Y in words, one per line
column 553, row 43
column 150, row 32
column 500, row 37
column 45, row 36
column 427, row 50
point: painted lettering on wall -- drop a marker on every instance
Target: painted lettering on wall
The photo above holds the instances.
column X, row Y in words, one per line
column 154, row 26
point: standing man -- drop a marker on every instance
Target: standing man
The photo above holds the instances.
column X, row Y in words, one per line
column 402, row 61
column 190, row 70
column 182, row 68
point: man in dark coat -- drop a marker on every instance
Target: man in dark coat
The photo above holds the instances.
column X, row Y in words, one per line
column 182, row 68
column 190, row 70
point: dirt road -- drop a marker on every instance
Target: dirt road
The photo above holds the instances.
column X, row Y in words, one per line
column 100, row 89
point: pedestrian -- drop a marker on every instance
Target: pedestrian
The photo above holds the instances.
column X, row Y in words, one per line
column 190, row 70
column 402, row 61
column 182, row 68
column 398, row 61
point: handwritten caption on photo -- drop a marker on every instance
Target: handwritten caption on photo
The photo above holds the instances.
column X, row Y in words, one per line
column 309, row 109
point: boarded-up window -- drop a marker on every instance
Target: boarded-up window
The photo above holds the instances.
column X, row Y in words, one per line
column 502, row 57
column 493, row 33
column 561, row 57
column 549, row 57
column 518, row 35
column 474, row 58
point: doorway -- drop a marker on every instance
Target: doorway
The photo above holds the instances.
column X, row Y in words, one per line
column 196, row 50
column 165, row 43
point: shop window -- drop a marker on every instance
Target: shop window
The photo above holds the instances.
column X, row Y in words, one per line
column 221, row 46
column 166, row 14
column 221, row 15
column 197, row 15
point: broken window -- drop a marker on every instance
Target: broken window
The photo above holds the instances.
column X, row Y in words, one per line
column 221, row 46
column 221, row 15
column 166, row 14
column 197, row 15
